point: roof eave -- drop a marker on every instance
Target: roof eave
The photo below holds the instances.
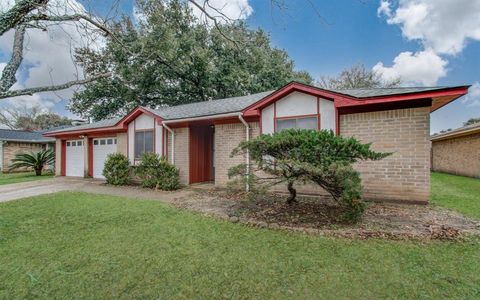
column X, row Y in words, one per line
column 85, row 131
column 27, row 141
column 455, row 134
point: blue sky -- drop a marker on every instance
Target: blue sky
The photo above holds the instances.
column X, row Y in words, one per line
column 433, row 42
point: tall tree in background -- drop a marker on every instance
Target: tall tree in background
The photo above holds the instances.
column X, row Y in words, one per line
column 355, row 77
column 24, row 118
column 22, row 16
column 175, row 59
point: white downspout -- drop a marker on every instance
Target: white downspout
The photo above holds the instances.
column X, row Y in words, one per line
column 173, row 141
column 247, row 131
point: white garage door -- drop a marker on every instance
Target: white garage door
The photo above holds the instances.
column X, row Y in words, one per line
column 74, row 163
column 101, row 148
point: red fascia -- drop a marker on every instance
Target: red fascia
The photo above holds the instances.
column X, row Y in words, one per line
column 134, row 114
column 342, row 100
column 121, row 126
column 456, row 91
column 97, row 132
column 253, row 110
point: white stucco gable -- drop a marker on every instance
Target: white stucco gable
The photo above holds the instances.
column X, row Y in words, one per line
column 298, row 105
column 141, row 123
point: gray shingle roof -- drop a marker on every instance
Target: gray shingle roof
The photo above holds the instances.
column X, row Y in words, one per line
column 208, row 108
column 23, row 136
column 237, row 104
column 378, row 92
column 99, row 124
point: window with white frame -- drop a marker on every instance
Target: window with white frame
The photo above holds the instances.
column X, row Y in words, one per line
column 299, row 123
column 143, row 142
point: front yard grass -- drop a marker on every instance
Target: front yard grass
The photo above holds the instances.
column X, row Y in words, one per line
column 456, row 192
column 79, row 245
column 8, row 178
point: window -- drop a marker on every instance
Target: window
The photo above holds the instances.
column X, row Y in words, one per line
column 68, row 144
column 300, row 123
column 74, row 143
column 109, row 141
column 79, row 143
column 143, row 142
column 95, row 142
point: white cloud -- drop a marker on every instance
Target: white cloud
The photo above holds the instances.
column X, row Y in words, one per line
column 445, row 26
column 48, row 55
column 222, row 9
column 424, row 67
column 384, row 9
column 473, row 96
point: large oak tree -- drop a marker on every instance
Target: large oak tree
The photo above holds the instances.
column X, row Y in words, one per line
column 175, row 59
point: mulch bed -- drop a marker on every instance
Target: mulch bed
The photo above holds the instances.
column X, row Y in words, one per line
column 305, row 212
column 322, row 216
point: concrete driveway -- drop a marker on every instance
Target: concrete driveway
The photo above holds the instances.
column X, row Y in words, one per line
column 15, row 191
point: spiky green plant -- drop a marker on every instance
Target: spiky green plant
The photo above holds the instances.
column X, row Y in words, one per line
column 36, row 161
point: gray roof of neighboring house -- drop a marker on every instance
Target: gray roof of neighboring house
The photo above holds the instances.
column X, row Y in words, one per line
column 465, row 130
column 379, row 92
column 237, row 104
column 23, row 136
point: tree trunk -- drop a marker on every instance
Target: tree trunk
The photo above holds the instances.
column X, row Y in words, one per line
column 38, row 172
column 293, row 193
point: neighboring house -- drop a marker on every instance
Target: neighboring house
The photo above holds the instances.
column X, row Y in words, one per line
column 19, row 141
column 199, row 137
column 457, row 151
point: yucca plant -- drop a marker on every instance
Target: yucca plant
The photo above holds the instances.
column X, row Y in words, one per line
column 35, row 161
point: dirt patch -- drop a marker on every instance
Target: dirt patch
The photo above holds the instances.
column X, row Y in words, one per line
column 322, row 216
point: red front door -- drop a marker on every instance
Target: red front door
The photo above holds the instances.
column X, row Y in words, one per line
column 201, row 153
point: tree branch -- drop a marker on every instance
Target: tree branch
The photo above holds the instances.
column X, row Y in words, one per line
column 31, row 91
column 75, row 17
column 14, row 16
column 8, row 75
column 213, row 19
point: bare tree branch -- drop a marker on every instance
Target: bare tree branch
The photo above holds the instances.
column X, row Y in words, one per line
column 31, row 91
column 8, row 74
column 65, row 18
column 213, row 18
column 14, row 16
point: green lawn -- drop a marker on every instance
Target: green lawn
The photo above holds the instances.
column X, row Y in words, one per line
column 7, row 178
column 456, row 192
column 78, row 245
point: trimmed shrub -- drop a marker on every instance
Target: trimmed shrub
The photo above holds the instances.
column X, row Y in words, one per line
column 298, row 156
column 116, row 169
column 156, row 172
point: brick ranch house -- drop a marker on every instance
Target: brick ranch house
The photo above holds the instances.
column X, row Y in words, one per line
column 13, row 142
column 199, row 137
column 457, row 151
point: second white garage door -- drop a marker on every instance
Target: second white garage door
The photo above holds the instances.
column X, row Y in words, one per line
column 101, row 148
